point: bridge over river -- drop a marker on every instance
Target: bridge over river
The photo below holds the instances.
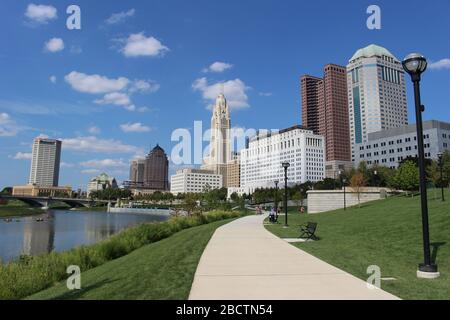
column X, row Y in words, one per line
column 46, row 202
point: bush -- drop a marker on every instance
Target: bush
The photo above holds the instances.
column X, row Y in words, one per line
column 29, row 275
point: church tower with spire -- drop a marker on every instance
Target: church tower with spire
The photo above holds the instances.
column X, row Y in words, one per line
column 220, row 144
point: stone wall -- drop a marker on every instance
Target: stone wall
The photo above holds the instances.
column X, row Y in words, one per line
column 329, row 200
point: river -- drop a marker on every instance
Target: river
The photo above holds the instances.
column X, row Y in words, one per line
column 62, row 230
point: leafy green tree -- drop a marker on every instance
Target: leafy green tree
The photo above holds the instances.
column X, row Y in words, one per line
column 407, row 177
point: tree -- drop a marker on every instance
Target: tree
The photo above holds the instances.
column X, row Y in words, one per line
column 190, row 203
column 357, row 182
column 298, row 198
column 407, row 177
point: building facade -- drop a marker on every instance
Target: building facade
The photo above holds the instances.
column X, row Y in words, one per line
column 100, row 183
column 312, row 92
column 45, row 161
column 261, row 161
column 376, row 93
column 325, row 112
column 156, row 170
column 194, row 181
column 234, row 171
column 31, row 190
column 220, row 143
column 137, row 170
column 390, row 147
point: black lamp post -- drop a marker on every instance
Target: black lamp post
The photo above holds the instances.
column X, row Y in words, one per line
column 343, row 181
column 276, row 197
column 375, row 173
column 285, row 165
column 415, row 64
column 441, row 166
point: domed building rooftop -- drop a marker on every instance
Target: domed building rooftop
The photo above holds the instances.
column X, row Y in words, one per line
column 372, row 51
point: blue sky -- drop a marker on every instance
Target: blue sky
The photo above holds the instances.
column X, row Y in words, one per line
column 137, row 70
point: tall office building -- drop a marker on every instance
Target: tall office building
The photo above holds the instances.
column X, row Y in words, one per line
column 156, row 171
column 376, row 93
column 312, row 102
column 220, row 144
column 45, row 162
column 137, row 170
column 325, row 112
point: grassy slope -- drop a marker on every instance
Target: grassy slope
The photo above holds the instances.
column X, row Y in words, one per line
column 162, row 270
column 386, row 233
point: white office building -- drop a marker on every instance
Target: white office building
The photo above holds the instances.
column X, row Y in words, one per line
column 195, row 181
column 390, row 147
column 45, row 161
column 376, row 93
column 261, row 160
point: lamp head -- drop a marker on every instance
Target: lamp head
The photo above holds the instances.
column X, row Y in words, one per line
column 276, row 182
column 286, row 165
column 440, row 155
column 415, row 64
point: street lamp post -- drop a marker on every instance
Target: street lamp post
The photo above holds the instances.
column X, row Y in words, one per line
column 375, row 173
column 276, row 197
column 441, row 166
column 415, row 64
column 343, row 181
column 285, row 165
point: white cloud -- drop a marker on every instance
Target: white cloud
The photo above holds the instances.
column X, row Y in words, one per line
column 144, row 86
column 41, row 13
column 138, row 44
column 115, row 98
column 22, row 156
column 120, row 17
column 8, row 127
column 54, row 45
column 105, row 163
column 440, row 65
column 218, row 67
column 235, row 91
column 134, row 127
column 265, row 94
column 53, row 79
column 67, row 165
column 94, row 130
column 95, row 83
column 90, row 171
column 93, row 144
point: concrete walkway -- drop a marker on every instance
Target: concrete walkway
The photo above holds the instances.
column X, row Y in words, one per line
column 244, row 261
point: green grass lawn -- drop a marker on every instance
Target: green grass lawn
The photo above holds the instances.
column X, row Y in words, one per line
column 387, row 233
column 161, row 270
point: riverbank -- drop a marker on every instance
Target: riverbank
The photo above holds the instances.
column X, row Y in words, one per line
column 33, row 274
column 18, row 210
column 160, row 271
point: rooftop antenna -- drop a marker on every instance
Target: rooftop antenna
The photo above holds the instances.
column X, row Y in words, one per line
column 222, row 88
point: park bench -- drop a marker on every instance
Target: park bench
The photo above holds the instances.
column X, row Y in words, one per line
column 308, row 231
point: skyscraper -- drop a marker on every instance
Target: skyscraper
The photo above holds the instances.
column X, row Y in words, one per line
column 156, row 171
column 137, row 171
column 325, row 112
column 45, row 162
column 220, row 144
column 376, row 93
column 312, row 101
column 334, row 121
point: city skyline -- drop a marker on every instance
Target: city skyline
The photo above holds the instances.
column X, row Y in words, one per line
column 139, row 98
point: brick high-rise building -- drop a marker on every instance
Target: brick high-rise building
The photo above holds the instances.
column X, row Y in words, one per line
column 156, row 172
column 325, row 111
column 312, row 101
column 336, row 121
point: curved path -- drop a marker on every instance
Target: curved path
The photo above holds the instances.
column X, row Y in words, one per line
column 244, row 261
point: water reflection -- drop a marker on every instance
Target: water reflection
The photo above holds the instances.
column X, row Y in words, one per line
column 62, row 230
